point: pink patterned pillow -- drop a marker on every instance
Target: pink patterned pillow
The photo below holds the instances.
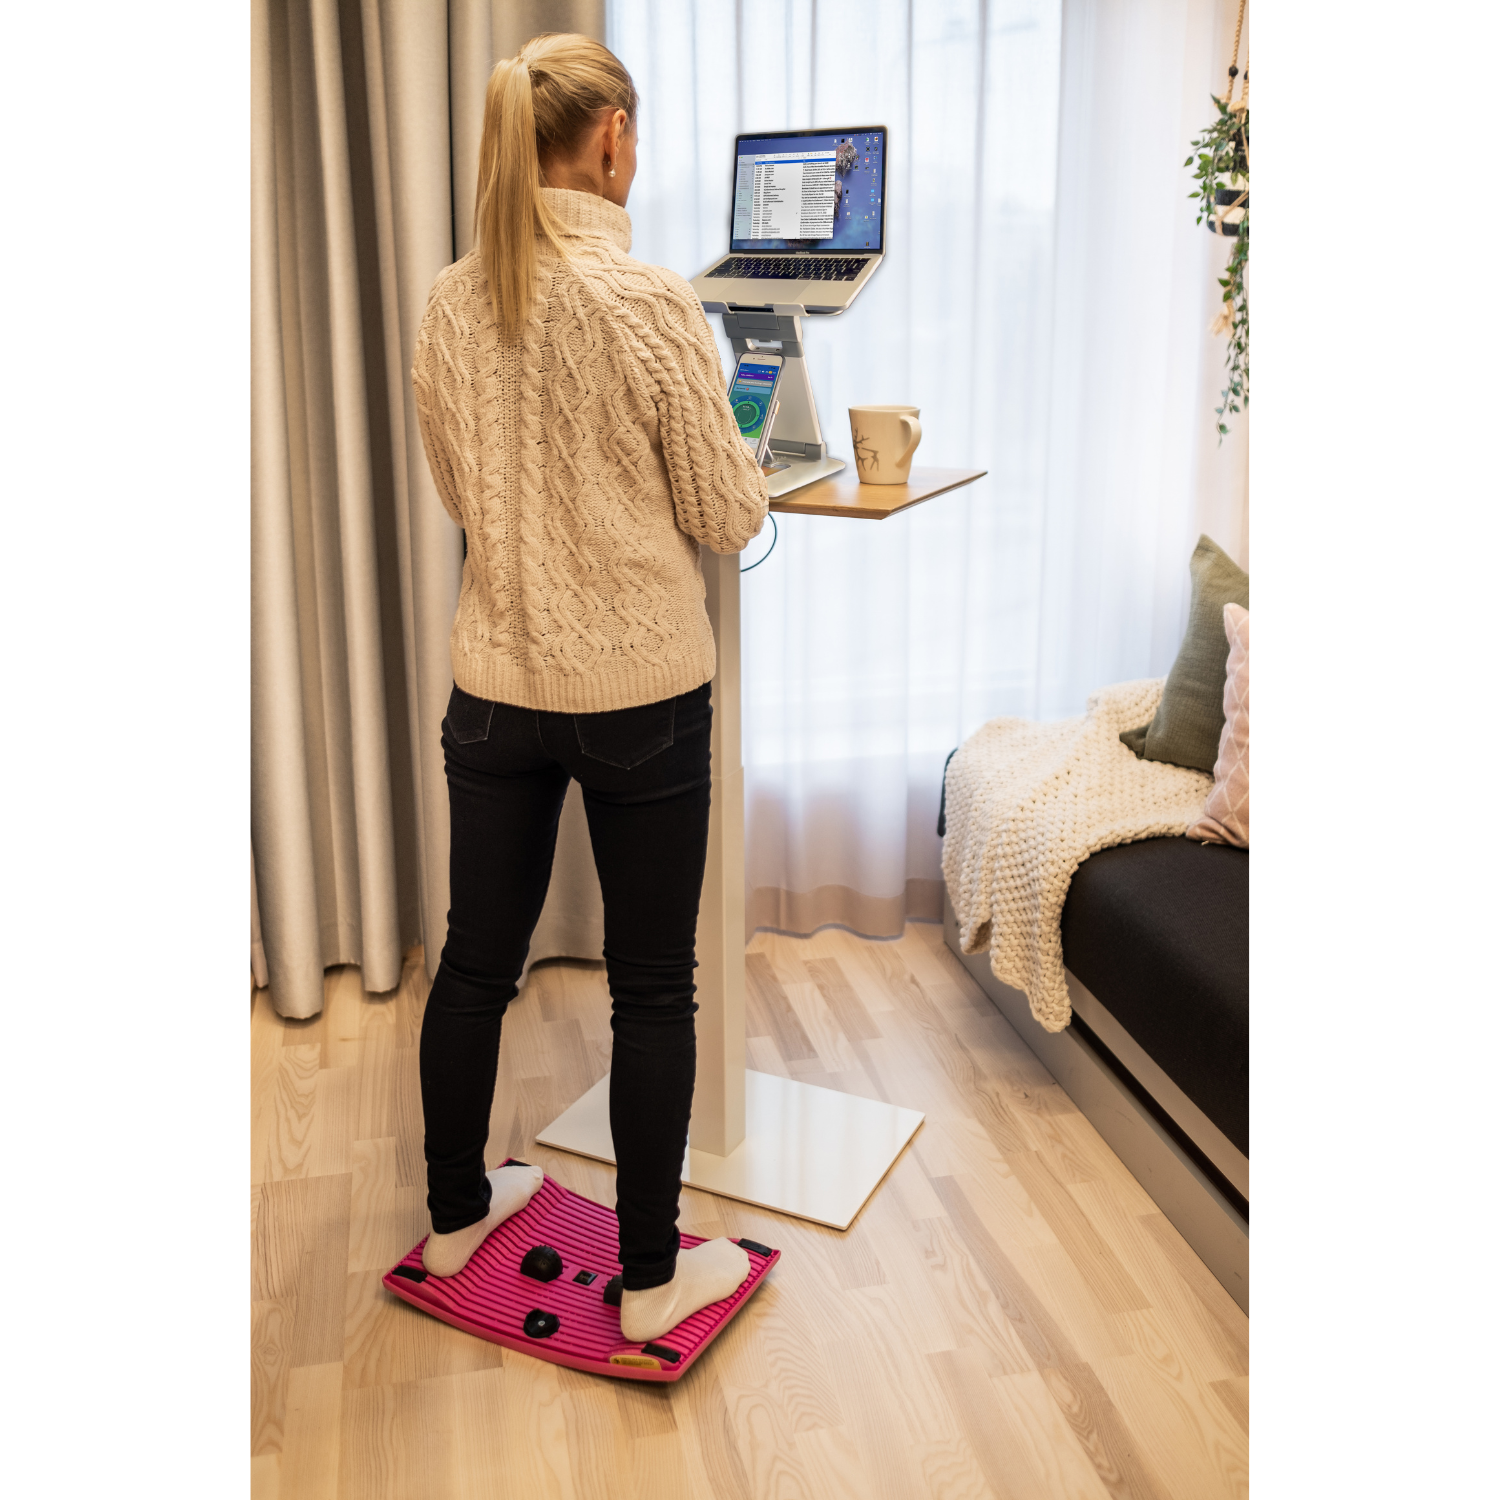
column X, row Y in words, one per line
column 1226, row 814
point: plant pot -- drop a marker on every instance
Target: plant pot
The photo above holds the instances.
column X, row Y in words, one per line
column 1231, row 204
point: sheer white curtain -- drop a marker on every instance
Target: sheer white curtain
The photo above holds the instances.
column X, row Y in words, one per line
column 1044, row 302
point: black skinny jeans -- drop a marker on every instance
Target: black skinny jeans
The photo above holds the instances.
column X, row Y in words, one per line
column 645, row 778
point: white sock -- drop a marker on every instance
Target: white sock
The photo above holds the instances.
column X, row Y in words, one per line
column 707, row 1273
column 510, row 1191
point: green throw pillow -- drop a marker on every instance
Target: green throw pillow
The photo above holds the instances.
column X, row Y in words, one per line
column 1190, row 717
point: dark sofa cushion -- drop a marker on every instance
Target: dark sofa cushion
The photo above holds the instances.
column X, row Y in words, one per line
column 1159, row 932
column 1190, row 716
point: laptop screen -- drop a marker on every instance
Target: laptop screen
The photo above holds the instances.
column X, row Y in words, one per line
column 810, row 190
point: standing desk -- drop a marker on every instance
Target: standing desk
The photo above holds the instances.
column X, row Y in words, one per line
column 792, row 1147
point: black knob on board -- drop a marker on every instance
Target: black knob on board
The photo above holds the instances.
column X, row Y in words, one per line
column 539, row 1324
column 542, row 1263
column 612, row 1289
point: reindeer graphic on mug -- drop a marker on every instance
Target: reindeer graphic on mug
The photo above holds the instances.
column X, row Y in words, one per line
column 885, row 438
column 866, row 455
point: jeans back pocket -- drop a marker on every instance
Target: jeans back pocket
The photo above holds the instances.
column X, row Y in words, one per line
column 468, row 719
column 626, row 737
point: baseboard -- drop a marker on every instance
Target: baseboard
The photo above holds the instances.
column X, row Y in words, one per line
column 1215, row 1228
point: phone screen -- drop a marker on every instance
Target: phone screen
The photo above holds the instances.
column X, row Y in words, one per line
column 750, row 397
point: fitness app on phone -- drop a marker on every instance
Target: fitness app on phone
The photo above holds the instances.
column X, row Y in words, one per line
column 751, row 395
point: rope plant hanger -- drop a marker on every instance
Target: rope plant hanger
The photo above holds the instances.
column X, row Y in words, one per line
column 1221, row 167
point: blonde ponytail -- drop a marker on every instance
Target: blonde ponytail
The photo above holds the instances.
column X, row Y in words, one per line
column 537, row 102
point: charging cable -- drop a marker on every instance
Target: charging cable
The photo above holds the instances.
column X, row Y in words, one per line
column 769, row 550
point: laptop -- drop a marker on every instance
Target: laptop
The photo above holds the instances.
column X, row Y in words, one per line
column 807, row 224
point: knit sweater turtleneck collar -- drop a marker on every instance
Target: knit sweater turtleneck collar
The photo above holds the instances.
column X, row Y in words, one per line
column 585, row 213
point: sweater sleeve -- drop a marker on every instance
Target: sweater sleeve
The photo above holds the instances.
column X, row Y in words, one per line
column 428, row 398
column 718, row 489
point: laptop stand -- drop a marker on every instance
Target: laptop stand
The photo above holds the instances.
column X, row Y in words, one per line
column 797, row 445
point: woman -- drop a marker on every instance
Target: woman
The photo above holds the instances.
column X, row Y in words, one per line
column 574, row 414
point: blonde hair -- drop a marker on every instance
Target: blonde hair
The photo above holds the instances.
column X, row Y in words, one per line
column 539, row 101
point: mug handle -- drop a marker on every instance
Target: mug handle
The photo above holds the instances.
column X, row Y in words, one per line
column 914, row 432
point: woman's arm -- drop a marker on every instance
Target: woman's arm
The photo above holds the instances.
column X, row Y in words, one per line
column 718, row 490
column 426, row 388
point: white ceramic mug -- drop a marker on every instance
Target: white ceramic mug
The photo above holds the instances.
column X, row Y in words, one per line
column 885, row 437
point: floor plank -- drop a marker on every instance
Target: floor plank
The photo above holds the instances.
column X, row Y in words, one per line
column 270, row 1338
column 314, row 1432
column 1011, row 1315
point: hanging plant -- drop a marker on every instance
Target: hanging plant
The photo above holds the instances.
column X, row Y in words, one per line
column 1221, row 166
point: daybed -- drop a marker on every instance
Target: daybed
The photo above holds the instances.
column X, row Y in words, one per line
column 1117, row 947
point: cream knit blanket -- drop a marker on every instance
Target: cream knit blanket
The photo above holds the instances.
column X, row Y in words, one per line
column 1027, row 803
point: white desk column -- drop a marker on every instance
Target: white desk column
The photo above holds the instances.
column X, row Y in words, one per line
column 719, row 1098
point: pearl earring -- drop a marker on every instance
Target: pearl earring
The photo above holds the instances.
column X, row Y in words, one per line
column 611, row 171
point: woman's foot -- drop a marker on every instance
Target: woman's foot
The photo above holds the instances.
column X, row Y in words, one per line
column 510, row 1191
column 707, row 1273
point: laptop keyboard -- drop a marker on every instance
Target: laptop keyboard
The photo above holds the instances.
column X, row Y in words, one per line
column 791, row 267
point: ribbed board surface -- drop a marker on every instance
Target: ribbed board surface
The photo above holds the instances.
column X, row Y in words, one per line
column 491, row 1298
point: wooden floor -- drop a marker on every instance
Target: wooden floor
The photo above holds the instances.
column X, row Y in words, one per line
column 1009, row 1316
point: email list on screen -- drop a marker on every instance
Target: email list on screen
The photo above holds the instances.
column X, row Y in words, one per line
column 810, row 192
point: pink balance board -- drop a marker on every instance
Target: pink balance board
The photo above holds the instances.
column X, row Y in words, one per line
column 544, row 1283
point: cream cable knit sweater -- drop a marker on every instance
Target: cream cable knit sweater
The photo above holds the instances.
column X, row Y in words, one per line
column 586, row 463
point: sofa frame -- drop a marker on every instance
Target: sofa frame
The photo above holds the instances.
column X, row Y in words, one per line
column 1197, row 1177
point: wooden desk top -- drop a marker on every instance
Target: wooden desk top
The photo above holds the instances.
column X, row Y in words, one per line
column 843, row 495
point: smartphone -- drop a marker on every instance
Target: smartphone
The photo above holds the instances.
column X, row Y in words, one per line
column 752, row 397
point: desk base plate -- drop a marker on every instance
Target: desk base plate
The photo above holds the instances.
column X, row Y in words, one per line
column 809, row 1152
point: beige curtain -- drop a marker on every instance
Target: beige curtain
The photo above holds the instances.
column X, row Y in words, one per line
column 366, row 117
